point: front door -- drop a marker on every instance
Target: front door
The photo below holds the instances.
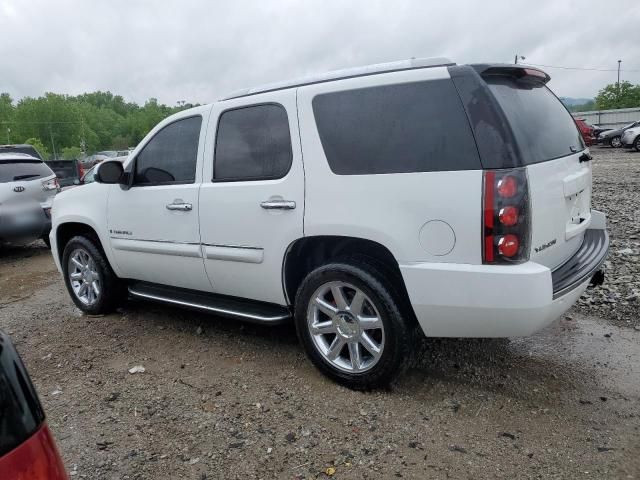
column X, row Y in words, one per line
column 252, row 195
column 153, row 226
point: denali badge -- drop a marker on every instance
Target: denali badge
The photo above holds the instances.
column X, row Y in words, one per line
column 18, row 189
column 545, row 246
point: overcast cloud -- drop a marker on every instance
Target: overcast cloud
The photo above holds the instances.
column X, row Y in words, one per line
column 198, row 50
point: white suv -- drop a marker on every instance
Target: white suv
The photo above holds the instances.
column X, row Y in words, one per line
column 367, row 204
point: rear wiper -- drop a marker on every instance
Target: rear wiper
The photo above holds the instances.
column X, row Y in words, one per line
column 24, row 177
column 585, row 157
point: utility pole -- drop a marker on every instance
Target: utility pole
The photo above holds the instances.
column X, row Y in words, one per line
column 53, row 145
column 619, row 62
column 8, row 132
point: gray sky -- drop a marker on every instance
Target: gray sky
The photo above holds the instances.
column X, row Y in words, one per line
column 198, row 50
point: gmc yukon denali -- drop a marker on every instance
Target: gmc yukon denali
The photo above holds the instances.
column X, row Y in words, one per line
column 369, row 205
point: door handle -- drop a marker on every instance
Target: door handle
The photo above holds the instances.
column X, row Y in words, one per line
column 278, row 205
column 183, row 207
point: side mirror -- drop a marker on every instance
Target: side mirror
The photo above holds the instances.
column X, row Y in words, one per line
column 109, row 172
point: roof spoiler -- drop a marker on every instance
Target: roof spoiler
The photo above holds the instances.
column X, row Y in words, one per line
column 520, row 72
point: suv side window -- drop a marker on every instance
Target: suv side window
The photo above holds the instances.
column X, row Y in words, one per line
column 171, row 155
column 401, row 128
column 253, row 143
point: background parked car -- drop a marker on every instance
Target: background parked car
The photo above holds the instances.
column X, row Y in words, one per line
column 27, row 188
column 598, row 129
column 27, row 447
column 586, row 131
column 631, row 138
column 69, row 172
column 614, row 137
column 21, row 148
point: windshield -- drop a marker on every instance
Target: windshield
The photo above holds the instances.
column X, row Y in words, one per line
column 542, row 126
column 16, row 170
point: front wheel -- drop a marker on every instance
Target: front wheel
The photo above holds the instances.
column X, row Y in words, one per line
column 636, row 144
column 349, row 321
column 615, row 142
column 92, row 284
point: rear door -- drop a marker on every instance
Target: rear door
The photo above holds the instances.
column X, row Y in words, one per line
column 252, row 195
column 558, row 170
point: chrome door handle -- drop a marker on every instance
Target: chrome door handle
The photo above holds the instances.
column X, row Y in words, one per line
column 183, row 207
column 278, row 205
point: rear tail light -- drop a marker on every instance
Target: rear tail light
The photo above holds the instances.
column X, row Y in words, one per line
column 505, row 216
column 48, row 185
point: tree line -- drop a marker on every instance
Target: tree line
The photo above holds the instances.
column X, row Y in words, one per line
column 611, row 97
column 65, row 126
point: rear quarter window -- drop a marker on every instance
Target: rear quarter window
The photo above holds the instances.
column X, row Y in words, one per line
column 401, row 128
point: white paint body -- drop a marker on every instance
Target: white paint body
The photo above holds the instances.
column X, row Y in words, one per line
column 430, row 222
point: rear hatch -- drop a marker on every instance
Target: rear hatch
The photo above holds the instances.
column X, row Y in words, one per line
column 520, row 123
column 22, row 179
column 558, row 169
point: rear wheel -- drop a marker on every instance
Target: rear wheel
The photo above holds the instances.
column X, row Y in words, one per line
column 349, row 321
column 615, row 142
column 636, row 143
column 92, row 284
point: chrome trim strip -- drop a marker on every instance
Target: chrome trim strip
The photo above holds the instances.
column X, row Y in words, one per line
column 233, row 254
column 191, row 250
column 222, row 311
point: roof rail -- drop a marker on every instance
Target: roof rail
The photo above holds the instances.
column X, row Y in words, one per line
column 412, row 63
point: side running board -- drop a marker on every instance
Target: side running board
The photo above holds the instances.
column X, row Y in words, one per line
column 232, row 307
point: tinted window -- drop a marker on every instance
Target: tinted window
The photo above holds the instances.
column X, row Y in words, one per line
column 171, row 155
column 542, row 126
column 253, row 143
column 413, row 127
column 15, row 170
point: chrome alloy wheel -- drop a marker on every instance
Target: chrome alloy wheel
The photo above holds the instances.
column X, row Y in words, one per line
column 346, row 327
column 84, row 277
column 616, row 142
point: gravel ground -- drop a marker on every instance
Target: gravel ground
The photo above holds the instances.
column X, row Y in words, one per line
column 220, row 399
column 617, row 193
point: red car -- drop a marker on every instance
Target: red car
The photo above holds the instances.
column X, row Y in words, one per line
column 586, row 131
column 27, row 448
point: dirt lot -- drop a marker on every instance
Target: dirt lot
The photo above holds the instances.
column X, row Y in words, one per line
column 220, row 399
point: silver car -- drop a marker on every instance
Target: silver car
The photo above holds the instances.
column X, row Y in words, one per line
column 27, row 189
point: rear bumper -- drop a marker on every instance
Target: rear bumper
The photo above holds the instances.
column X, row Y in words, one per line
column 15, row 230
column 453, row 300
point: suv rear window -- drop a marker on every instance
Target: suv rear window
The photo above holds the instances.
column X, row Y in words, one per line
column 401, row 128
column 16, row 170
column 542, row 126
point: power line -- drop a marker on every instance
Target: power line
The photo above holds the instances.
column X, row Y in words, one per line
column 582, row 68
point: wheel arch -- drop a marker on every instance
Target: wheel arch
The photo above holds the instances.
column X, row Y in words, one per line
column 307, row 253
column 69, row 229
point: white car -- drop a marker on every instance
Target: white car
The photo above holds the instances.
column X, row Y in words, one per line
column 631, row 138
column 27, row 189
column 366, row 204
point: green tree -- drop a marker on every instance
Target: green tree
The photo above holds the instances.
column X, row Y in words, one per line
column 71, row 153
column 610, row 97
column 42, row 150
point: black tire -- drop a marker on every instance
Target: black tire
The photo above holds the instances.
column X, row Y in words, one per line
column 399, row 328
column 636, row 143
column 615, row 142
column 113, row 290
column 47, row 242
